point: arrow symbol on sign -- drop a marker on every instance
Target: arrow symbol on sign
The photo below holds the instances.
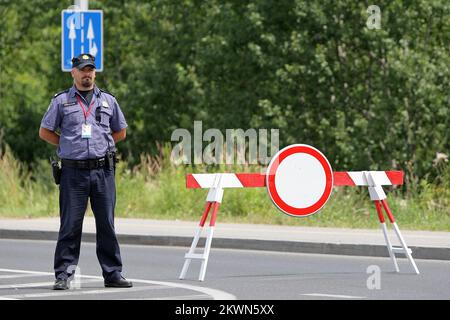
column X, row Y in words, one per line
column 90, row 36
column 93, row 50
column 72, row 36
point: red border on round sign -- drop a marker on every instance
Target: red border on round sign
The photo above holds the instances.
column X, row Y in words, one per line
column 270, row 180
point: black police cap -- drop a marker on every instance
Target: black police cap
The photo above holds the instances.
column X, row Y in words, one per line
column 83, row 60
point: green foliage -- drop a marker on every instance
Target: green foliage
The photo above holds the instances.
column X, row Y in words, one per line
column 20, row 194
column 155, row 189
column 369, row 99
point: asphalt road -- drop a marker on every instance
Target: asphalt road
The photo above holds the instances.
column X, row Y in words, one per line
column 26, row 273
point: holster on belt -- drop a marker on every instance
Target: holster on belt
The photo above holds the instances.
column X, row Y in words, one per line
column 56, row 170
column 111, row 159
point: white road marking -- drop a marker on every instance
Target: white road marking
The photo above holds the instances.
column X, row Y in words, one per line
column 339, row 296
column 84, row 292
column 36, row 284
column 26, row 271
column 12, row 276
column 214, row 293
column 188, row 297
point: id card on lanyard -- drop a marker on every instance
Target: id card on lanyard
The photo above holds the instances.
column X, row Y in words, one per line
column 86, row 129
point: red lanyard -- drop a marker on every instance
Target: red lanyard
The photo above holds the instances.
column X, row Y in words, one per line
column 86, row 113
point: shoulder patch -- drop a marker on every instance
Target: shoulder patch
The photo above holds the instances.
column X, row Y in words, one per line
column 60, row 93
column 104, row 91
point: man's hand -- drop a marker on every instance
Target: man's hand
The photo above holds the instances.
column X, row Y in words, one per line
column 49, row 136
column 119, row 135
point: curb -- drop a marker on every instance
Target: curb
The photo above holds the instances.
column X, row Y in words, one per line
column 434, row 253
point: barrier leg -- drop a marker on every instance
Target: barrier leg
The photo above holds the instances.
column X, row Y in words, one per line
column 191, row 252
column 405, row 250
column 208, row 242
column 210, row 232
column 386, row 236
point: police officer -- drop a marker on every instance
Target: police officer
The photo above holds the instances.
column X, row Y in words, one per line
column 90, row 123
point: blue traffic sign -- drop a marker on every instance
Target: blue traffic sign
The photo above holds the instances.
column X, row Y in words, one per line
column 81, row 32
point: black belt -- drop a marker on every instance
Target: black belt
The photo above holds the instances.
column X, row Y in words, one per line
column 85, row 164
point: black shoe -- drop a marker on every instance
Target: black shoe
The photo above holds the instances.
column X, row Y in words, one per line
column 61, row 284
column 120, row 283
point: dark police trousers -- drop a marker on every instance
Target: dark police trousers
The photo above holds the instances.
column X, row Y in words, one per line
column 77, row 185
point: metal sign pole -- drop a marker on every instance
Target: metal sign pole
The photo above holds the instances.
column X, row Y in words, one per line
column 82, row 4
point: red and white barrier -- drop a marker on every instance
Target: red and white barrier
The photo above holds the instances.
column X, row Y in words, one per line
column 255, row 180
column 299, row 180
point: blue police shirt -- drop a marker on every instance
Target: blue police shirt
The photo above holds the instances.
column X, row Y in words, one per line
column 66, row 114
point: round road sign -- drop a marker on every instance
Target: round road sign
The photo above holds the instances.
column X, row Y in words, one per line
column 299, row 180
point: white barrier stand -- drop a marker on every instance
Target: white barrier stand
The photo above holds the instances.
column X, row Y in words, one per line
column 213, row 200
column 378, row 196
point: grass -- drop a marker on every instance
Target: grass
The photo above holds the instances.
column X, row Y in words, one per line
column 155, row 189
